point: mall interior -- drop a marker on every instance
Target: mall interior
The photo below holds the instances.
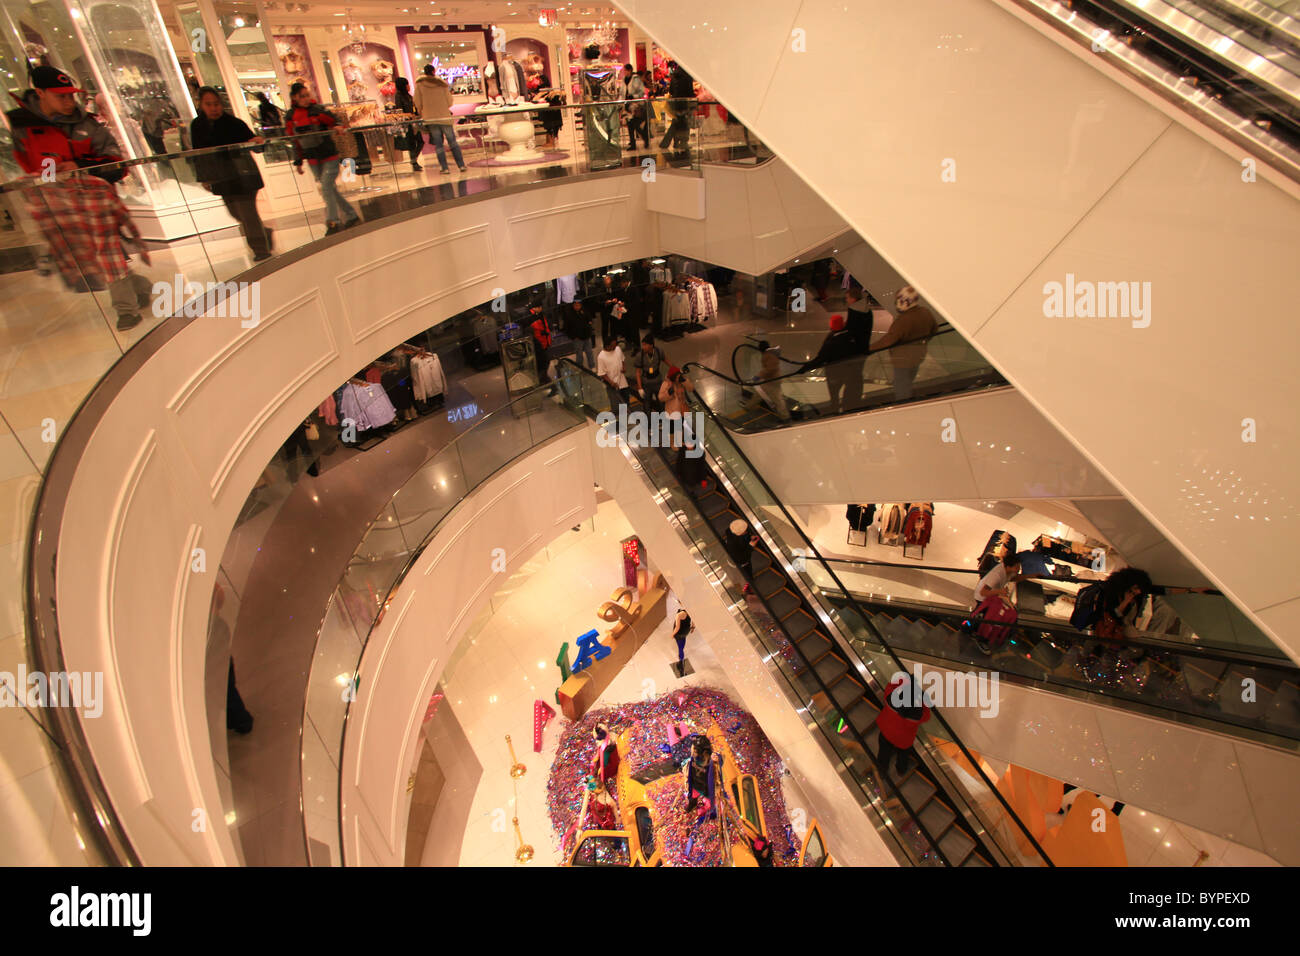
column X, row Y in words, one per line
column 855, row 435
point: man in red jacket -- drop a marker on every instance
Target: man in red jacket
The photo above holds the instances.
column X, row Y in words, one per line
column 900, row 717
column 81, row 216
column 318, row 149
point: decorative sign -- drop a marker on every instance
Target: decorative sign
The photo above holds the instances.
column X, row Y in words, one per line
column 631, row 560
column 462, row 413
column 542, row 714
column 590, row 650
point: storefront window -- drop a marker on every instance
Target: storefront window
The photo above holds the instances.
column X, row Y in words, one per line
column 208, row 73
column 456, row 61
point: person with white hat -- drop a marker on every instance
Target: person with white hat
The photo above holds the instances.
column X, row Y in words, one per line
column 905, row 340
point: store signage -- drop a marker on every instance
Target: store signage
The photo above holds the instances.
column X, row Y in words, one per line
column 590, row 650
column 634, row 616
column 542, row 714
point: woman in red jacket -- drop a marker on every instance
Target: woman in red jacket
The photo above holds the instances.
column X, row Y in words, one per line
column 900, row 718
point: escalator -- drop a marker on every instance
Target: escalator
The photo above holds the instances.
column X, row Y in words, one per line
column 1174, row 677
column 951, row 430
column 944, row 808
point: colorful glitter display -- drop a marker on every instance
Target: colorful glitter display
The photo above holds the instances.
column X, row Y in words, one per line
column 647, row 752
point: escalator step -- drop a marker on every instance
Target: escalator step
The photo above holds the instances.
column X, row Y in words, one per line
column 759, row 562
column 711, row 505
column 916, row 789
column 782, row 603
column 897, row 628
column 830, row 668
column 814, row 644
column 798, row 624
column 862, row 717
column 956, row 845
column 768, row 581
column 846, row 693
column 936, row 817
column 976, row 859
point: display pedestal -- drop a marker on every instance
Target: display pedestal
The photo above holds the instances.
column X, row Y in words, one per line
column 683, row 669
column 518, row 134
column 193, row 211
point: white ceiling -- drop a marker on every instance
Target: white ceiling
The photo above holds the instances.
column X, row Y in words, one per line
column 415, row 12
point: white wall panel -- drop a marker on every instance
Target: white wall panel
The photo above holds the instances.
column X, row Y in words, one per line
column 1004, row 449
column 520, row 510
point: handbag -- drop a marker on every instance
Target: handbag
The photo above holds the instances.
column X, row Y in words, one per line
column 312, row 432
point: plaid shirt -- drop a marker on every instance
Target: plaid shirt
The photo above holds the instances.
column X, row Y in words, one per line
column 83, row 220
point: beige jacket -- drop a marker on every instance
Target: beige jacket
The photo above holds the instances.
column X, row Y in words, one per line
column 433, row 100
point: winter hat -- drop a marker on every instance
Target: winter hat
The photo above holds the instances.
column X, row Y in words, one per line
column 738, row 526
column 907, row 298
column 837, row 322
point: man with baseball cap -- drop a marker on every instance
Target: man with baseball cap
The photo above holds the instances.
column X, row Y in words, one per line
column 82, row 218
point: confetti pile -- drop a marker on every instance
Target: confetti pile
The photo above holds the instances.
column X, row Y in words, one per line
column 646, row 745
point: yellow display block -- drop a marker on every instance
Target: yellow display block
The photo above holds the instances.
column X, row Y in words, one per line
column 634, row 619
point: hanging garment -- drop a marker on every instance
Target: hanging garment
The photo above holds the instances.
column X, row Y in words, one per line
column 427, row 378
column 398, row 388
column 566, row 288
column 367, row 406
column 860, row 516
column 677, row 307
column 374, row 375
column 891, row 524
column 917, row 527
column 328, row 411
column 661, row 274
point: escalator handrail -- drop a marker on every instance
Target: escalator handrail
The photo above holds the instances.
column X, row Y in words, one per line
column 1073, row 635
column 887, row 781
column 941, row 330
column 814, row 553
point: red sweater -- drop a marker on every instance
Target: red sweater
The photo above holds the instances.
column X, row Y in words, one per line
column 894, row 727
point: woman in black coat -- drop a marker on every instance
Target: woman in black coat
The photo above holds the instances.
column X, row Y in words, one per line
column 405, row 103
column 230, row 174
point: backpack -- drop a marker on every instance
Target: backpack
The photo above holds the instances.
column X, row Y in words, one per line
column 1087, row 607
column 992, row 622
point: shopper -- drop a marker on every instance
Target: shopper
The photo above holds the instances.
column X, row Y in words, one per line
column 682, row 626
column 318, row 149
column 633, row 311
column 739, row 544
column 298, row 442
column 859, row 320
column 904, row 340
column 681, row 103
column 672, row 394
column 689, row 466
column 634, row 89
column 229, row 173
column 541, row 329
column 902, row 713
column 81, row 217
column 268, row 116
column 577, row 326
column 999, row 579
column 552, row 119
column 609, row 366
column 404, row 102
column 843, row 378
column 650, row 363
column 433, row 102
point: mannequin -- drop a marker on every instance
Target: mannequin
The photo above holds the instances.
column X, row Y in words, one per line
column 511, row 79
column 599, row 84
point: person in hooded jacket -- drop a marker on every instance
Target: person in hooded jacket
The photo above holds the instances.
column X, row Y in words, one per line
column 83, row 219
column 230, row 174
column 433, row 102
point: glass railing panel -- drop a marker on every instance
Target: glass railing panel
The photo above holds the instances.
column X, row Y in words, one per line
column 427, row 497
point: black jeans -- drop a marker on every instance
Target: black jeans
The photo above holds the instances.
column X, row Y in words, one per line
column 636, row 121
column 903, row 758
column 243, row 207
